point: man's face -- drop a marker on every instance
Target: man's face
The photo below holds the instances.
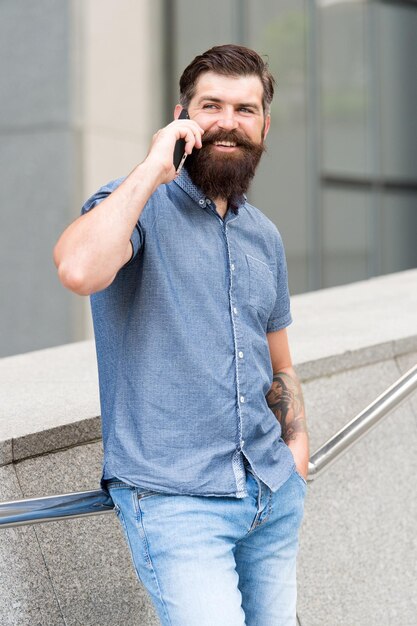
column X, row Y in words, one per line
column 230, row 103
column 230, row 111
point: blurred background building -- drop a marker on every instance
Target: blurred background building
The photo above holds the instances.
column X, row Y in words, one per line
column 85, row 84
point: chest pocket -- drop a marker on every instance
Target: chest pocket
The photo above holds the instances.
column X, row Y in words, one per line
column 262, row 290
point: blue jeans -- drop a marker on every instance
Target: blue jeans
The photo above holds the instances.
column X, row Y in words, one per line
column 216, row 561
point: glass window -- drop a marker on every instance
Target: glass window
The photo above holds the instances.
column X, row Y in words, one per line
column 278, row 29
column 346, row 224
column 398, row 89
column 398, row 231
column 344, row 88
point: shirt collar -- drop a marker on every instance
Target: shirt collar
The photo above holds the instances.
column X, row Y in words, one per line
column 184, row 181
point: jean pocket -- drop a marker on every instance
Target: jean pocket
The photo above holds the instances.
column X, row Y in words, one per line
column 303, row 480
column 119, row 515
column 145, row 493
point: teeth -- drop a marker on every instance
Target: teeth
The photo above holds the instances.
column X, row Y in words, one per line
column 229, row 144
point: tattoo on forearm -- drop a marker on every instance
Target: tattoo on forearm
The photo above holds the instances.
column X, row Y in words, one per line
column 285, row 399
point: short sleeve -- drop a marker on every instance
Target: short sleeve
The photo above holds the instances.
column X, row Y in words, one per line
column 137, row 234
column 281, row 314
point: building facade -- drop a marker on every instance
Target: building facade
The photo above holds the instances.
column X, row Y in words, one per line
column 85, row 84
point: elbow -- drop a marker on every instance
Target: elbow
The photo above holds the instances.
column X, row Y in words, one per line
column 81, row 278
column 77, row 281
column 70, row 275
column 74, row 280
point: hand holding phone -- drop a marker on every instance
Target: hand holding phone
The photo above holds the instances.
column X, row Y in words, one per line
column 179, row 151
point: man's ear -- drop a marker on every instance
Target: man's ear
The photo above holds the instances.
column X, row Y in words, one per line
column 177, row 111
column 267, row 124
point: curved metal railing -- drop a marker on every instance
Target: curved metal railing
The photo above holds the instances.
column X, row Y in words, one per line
column 79, row 504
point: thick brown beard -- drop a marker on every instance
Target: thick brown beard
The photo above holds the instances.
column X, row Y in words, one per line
column 224, row 175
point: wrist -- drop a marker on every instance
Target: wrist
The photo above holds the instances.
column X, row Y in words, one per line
column 300, row 451
column 148, row 175
column 158, row 171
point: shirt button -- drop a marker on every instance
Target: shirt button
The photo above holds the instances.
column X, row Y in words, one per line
column 242, row 443
column 235, row 310
column 208, row 201
column 233, row 267
column 240, row 355
column 201, row 202
column 242, row 399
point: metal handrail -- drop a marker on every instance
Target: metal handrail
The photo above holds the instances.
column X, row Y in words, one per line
column 367, row 419
column 53, row 508
column 80, row 504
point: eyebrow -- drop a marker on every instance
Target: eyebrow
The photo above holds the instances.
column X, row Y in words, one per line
column 251, row 105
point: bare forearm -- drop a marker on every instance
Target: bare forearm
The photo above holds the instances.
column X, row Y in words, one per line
column 285, row 399
column 94, row 247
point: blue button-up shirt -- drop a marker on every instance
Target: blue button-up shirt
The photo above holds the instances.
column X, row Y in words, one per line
column 183, row 358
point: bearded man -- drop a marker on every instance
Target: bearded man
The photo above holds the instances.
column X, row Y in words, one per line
column 205, row 442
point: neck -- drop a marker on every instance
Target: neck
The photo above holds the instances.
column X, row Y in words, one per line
column 221, row 206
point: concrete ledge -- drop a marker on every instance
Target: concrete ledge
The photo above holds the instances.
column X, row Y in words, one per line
column 352, row 359
column 358, row 324
column 50, row 398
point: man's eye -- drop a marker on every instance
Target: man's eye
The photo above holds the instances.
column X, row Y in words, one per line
column 245, row 110
column 210, row 106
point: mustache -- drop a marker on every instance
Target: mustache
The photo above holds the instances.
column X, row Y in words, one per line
column 233, row 136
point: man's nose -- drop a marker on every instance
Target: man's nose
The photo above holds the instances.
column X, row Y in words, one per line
column 227, row 120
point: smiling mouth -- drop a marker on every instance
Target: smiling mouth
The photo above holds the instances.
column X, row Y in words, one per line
column 225, row 144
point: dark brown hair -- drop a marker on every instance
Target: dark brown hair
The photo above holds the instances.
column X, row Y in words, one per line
column 229, row 60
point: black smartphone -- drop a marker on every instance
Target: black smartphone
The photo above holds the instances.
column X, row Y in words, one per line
column 179, row 154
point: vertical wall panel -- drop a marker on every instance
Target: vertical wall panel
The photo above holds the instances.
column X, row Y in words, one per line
column 36, row 157
column 397, row 52
column 279, row 30
column 344, row 83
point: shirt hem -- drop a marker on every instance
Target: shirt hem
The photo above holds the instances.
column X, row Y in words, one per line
column 172, row 492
